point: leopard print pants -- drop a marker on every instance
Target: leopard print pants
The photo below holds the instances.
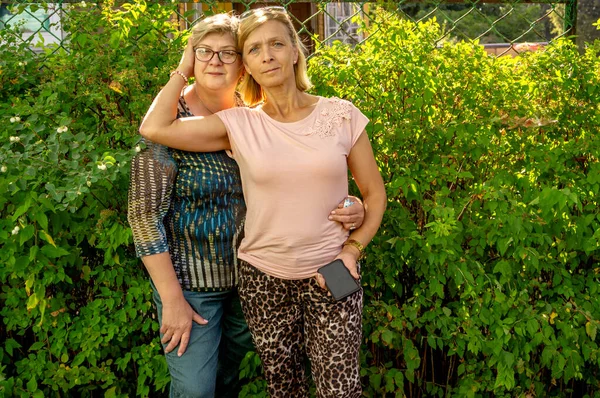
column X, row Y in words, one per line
column 290, row 317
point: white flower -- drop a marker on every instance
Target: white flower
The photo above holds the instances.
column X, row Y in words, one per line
column 16, row 230
column 62, row 129
column 137, row 148
column 102, row 166
column 88, row 183
column 14, row 138
column 83, row 4
column 3, row 169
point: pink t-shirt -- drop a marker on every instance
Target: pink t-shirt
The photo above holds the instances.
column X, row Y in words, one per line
column 293, row 175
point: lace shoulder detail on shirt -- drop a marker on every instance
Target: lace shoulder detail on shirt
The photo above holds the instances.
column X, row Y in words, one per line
column 333, row 113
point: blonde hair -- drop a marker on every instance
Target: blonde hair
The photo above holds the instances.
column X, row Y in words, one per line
column 219, row 23
column 251, row 92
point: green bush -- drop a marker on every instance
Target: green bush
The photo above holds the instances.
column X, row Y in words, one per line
column 75, row 302
column 484, row 276
column 483, row 279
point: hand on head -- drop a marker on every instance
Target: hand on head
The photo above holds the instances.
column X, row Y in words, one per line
column 186, row 64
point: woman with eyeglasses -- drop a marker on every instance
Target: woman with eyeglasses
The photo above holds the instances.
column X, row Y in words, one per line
column 186, row 211
column 293, row 150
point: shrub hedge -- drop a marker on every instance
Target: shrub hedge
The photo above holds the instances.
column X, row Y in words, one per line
column 483, row 279
column 78, row 318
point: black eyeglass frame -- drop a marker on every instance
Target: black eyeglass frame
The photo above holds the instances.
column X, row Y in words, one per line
column 219, row 53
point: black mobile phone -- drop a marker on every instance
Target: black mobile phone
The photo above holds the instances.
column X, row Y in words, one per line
column 338, row 279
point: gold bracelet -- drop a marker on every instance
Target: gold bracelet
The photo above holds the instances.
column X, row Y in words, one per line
column 357, row 245
column 183, row 76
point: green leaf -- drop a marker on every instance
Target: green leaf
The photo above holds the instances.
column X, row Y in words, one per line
column 503, row 244
column 53, row 251
column 591, row 328
column 532, row 326
column 10, row 345
column 45, row 236
column 23, row 208
column 387, row 336
column 559, row 362
column 29, row 284
column 41, row 219
column 78, row 360
column 32, row 385
column 26, row 234
column 36, row 346
column 33, row 301
column 375, row 380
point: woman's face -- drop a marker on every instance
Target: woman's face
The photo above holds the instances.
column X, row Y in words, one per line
column 214, row 74
column 269, row 55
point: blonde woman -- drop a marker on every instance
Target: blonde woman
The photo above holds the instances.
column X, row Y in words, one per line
column 186, row 211
column 293, row 150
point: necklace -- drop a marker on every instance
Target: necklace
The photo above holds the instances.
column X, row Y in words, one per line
column 200, row 100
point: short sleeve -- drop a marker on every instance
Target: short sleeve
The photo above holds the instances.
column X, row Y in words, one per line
column 358, row 123
column 234, row 120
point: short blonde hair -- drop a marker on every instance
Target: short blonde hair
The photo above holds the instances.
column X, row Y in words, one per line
column 251, row 92
column 219, row 23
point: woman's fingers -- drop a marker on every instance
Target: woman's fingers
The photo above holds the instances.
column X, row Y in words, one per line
column 183, row 343
column 176, row 327
column 321, row 281
column 351, row 217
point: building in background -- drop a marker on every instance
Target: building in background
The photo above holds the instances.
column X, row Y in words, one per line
column 588, row 12
column 333, row 23
column 38, row 25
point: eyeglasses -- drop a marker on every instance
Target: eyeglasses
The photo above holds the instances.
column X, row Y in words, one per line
column 204, row 54
column 252, row 11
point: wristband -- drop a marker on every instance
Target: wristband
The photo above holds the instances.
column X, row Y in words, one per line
column 357, row 245
column 183, row 76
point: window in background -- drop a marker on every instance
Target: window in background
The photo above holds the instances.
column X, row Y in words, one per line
column 339, row 25
column 37, row 25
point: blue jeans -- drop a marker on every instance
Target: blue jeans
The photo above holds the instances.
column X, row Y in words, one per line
column 210, row 366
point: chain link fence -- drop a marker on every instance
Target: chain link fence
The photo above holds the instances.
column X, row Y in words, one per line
column 502, row 26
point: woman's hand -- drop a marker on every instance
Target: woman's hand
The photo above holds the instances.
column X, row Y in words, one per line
column 351, row 216
column 349, row 256
column 188, row 59
column 176, row 327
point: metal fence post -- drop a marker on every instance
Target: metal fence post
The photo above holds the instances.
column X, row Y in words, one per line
column 571, row 17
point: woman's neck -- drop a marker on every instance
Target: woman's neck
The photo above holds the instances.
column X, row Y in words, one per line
column 288, row 104
column 204, row 102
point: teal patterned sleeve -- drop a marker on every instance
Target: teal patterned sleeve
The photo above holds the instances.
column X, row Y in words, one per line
column 152, row 177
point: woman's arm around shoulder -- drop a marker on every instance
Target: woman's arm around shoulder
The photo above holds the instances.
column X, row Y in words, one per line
column 198, row 134
column 194, row 134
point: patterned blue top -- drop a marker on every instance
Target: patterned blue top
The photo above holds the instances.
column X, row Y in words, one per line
column 191, row 205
